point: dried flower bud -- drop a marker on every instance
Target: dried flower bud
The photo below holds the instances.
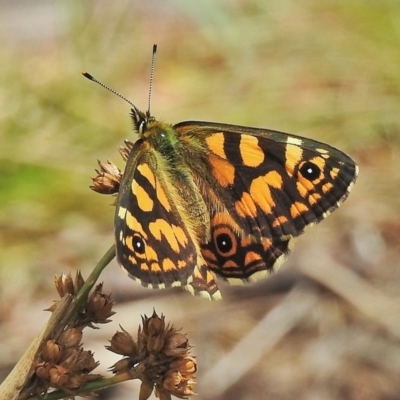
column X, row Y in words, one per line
column 155, row 327
column 72, row 361
column 79, row 361
column 155, row 344
column 176, row 344
column 51, row 351
column 186, row 365
column 79, row 281
column 123, row 343
column 141, row 341
column 108, row 178
column 88, row 362
column 58, row 376
column 178, row 385
column 64, row 285
column 171, row 380
column 42, row 370
column 124, row 153
column 99, row 306
column 70, row 338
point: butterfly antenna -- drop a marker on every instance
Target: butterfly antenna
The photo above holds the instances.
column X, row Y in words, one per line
column 92, row 78
column 153, row 61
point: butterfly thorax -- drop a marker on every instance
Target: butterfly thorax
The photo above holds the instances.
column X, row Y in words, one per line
column 161, row 149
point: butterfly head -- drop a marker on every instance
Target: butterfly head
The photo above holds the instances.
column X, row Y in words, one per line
column 141, row 120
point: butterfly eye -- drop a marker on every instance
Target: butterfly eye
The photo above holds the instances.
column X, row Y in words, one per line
column 310, row 171
column 138, row 244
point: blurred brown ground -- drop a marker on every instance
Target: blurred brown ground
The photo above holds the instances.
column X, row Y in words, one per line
column 327, row 325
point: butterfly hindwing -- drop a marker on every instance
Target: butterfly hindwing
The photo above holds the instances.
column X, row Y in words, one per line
column 231, row 254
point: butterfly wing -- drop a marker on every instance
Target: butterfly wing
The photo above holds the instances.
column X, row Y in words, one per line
column 272, row 185
column 154, row 241
column 233, row 254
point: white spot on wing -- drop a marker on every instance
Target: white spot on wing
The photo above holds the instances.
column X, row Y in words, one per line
column 294, row 140
column 122, row 212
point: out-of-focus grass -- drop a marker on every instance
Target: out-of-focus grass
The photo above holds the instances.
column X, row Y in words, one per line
column 327, row 70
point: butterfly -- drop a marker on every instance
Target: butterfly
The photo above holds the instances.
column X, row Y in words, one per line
column 202, row 199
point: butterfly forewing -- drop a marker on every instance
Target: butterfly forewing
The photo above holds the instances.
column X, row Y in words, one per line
column 277, row 183
column 153, row 243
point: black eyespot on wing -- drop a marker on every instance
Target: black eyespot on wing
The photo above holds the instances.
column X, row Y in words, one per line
column 224, row 243
column 138, row 244
column 310, row 171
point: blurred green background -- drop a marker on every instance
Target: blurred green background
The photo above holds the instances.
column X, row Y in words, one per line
column 328, row 70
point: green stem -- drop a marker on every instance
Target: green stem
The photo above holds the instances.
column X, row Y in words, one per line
column 92, row 278
column 92, row 386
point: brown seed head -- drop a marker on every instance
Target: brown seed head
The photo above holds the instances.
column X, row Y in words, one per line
column 123, row 343
column 124, row 153
column 51, row 351
column 79, row 282
column 155, row 327
column 99, row 306
column 72, row 361
column 176, row 344
column 64, row 284
column 59, row 376
column 88, row 363
column 108, row 178
column 178, row 385
column 186, row 365
column 42, row 370
column 70, row 338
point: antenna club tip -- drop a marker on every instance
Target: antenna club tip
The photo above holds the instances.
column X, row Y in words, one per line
column 87, row 75
column 154, row 48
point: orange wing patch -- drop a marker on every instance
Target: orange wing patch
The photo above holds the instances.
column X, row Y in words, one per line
column 251, row 153
column 222, row 170
column 245, row 207
column 145, row 170
column 174, row 235
column 145, row 203
column 297, row 209
column 293, row 156
column 216, row 143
